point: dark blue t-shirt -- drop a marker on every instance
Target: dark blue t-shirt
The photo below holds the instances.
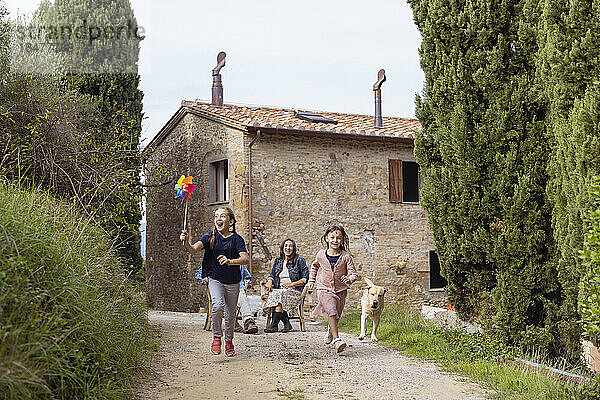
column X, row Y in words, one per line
column 332, row 260
column 230, row 247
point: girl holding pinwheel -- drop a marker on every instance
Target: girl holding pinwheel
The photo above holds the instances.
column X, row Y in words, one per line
column 224, row 252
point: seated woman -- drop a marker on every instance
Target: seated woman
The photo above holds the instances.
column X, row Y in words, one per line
column 285, row 283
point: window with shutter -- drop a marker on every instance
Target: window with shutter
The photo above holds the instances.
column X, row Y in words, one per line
column 404, row 181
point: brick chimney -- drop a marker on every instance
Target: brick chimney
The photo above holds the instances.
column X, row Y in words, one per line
column 377, row 90
column 217, row 86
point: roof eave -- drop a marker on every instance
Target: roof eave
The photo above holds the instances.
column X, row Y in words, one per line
column 174, row 120
column 329, row 134
column 216, row 118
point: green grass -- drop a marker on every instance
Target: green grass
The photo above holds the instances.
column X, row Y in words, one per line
column 294, row 394
column 470, row 355
column 71, row 325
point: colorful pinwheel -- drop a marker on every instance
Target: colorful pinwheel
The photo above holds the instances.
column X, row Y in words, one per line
column 184, row 188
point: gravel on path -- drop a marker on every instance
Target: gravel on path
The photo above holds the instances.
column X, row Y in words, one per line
column 294, row 365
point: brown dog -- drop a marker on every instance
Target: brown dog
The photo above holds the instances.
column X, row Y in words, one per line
column 372, row 306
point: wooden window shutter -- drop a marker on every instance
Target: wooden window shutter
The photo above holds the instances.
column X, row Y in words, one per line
column 395, row 172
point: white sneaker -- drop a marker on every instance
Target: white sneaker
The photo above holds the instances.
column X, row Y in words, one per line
column 339, row 345
column 328, row 337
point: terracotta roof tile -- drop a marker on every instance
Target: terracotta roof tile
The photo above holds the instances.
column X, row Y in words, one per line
column 279, row 118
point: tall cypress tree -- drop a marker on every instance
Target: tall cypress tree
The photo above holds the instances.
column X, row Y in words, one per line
column 101, row 41
column 483, row 150
column 4, row 42
column 570, row 68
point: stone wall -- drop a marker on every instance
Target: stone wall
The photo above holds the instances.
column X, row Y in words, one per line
column 192, row 145
column 300, row 186
column 303, row 184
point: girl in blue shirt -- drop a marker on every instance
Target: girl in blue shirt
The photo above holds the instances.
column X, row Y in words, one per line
column 224, row 252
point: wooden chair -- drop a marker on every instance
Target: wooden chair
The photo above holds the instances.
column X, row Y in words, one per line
column 207, row 322
column 300, row 315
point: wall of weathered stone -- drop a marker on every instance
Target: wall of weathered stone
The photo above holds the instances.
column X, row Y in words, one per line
column 167, row 278
column 192, row 145
column 303, row 184
column 300, row 185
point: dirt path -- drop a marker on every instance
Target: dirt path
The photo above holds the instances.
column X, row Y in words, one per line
column 295, row 365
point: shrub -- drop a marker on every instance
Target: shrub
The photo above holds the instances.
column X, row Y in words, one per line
column 589, row 294
column 71, row 326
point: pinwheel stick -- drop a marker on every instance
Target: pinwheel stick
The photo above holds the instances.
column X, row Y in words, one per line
column 185, row 215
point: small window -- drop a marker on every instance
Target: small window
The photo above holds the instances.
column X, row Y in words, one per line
column 404, row 181
column 436, row 280
column 219, row 181
column 313, row 117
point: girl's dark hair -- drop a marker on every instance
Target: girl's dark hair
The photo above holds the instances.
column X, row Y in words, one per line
column 231, row 217
column 294, row 254
column 345, row 245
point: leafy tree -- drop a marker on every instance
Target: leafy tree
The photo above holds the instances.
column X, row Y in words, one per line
column 101, row 42
column 51, row 138
column 60, row 140
column 570, row 68
column 4, row 43
column 484, row 153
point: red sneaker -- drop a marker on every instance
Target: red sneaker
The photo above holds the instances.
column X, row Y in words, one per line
column 229, row 350
column 215, row 348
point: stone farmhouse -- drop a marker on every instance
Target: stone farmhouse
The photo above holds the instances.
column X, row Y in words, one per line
column 289, row 174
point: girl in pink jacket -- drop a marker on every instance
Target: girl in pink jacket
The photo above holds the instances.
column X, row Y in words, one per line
column 332, row 273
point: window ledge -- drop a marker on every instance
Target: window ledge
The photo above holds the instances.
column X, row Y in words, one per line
column 437, row 290
column 216, row 203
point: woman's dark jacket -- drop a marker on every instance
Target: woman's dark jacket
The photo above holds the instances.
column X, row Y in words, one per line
column 298, row 270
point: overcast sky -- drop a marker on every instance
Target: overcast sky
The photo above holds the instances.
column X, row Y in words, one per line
column 311, row 54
